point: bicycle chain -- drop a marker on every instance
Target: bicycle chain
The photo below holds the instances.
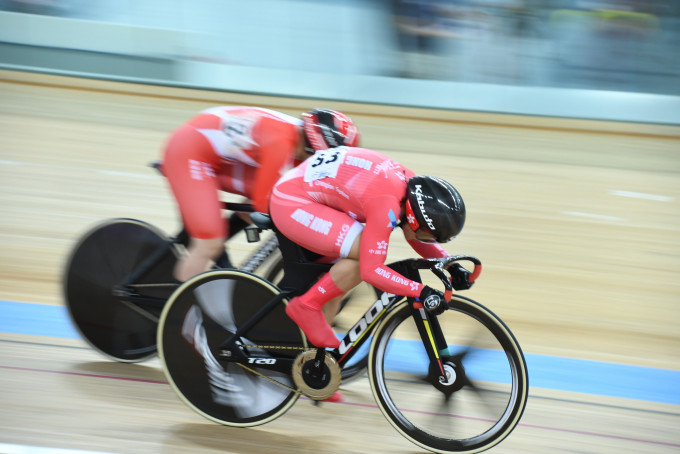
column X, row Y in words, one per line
column 273, row 347
column 152, row 284
column 276, row 382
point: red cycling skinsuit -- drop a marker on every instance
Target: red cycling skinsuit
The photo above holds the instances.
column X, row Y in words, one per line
column 322, row 204
column 240, row 150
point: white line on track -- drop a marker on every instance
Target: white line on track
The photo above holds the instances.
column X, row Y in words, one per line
column 127, row 174
column 642, row 195
column 592, row 216
column 117, row 173
column 24, row 449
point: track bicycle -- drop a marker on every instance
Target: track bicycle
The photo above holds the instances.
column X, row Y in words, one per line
column 452, row 383
column 119, row 276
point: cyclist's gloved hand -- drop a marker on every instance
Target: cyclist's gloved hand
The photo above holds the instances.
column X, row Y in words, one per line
column 433, row 300
column 460, row 277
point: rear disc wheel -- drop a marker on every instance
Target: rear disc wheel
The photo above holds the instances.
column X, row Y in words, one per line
column 101, row 260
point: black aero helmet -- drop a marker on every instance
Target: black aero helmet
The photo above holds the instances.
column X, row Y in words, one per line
column 434, row 206
column 325, row 128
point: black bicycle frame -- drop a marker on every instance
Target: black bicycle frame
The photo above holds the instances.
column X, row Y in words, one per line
column 427, row 325
column 233, row 350
column 126, row 290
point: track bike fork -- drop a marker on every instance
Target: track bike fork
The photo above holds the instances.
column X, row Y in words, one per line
column 428, row 327
column 432, row 337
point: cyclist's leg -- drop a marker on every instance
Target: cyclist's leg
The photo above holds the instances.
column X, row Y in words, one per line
column 236, row 223
column 239, row 388
column 200, row 253
column 345, row 272
column 348, row 241
column 346, row 275
column 328, row 232
column 186, row 165
column 330, row 309
column 237, row 179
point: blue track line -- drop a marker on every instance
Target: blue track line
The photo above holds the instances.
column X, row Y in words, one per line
column 550, row 372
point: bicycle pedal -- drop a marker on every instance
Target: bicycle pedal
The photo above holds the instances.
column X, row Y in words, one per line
column 336, row 397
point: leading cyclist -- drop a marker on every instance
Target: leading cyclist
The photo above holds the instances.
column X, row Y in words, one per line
column 344, row 203
column 239, row 150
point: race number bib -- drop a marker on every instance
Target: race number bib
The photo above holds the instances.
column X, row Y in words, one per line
column 324, row 164
column 238, row 134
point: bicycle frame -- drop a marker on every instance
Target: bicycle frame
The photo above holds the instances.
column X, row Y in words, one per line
column 226, row 343
column 127, row 290
column 124, row 290
column 234, row 350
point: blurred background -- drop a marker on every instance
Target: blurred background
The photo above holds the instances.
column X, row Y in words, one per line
column 559, row 120
column 519, row 56
column 433, row 81
column 580, row 97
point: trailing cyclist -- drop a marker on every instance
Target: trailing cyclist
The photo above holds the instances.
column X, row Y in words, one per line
column 239, row 150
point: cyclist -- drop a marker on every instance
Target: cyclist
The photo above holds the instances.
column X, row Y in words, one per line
column 344, row 203
column 239, row 150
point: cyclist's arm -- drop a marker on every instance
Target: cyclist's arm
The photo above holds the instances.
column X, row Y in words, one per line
column 277, row 153
column 373, row 252
column 428, row 250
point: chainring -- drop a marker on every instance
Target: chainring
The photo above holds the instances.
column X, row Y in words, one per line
column 317, row 381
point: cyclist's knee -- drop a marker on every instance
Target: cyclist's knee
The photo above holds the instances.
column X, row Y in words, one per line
column 346, row 273
column 355, row 249
column 209, row 249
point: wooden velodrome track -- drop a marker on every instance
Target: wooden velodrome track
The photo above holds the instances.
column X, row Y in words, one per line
column 577, row 224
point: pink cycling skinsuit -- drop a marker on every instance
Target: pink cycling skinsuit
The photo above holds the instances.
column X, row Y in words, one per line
column 240, row 150
column 328, row 200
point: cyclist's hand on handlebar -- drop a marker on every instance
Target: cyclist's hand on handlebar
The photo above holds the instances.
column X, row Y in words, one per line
column 433, row 300
column 460, row 277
